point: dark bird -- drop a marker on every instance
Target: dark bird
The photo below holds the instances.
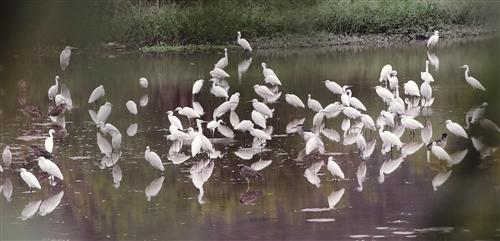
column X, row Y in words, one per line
column 58, row 110
column 39, row 151
column 249, row 173
column 440, row 142
column 250, row 196
column 32, row 112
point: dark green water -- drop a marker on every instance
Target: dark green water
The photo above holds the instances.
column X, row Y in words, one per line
column 404, row 206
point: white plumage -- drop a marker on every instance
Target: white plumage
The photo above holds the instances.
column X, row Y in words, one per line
column 313, row 104
column 262, row 108
column 29, row 179
column 456, row 129
column 411, row 88
column 52, row 92
column 258, row 119
column 7, row 156
column 244, row 125
column 97, row 93
column 174, row 120
column 188, row 112
column 433, row 40
column 50, row 167
column 243, row 42
column 385, row 72
column 471, row 80
column 153, row 159
column 388, row 138
column 197, row 86
column 143, row 82
column 49, row 141
column 223, row 62
column 410, row 123
column 104, row 112
column 440, row 153
column 131, row 107
column 294, row 101
column 219, row 91
column 219, row 73
column 334, row 168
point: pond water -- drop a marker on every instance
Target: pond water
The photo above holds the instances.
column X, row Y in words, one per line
column 401, row 197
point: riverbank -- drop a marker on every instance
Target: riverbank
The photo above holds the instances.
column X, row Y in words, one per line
column 448, row 35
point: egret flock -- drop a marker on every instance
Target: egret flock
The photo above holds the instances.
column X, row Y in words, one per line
column 191, row 131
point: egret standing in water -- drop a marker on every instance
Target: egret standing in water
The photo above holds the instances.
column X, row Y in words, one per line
column 153, row 159
column 222, row 63
column 54, row 89
column 50, row 167
column 456, row 129
column 97, row 93
column 471, row 80
column 243, row 43
column 197, row 86
column 49, row 142
column 29, row 179
column 64, row 57
column 433, row 40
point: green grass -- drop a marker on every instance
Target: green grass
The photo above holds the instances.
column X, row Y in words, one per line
column 215, row 22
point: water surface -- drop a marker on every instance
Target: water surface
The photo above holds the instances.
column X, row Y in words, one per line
column 94, row 203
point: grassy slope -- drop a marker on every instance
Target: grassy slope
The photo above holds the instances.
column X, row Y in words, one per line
column 271, row 23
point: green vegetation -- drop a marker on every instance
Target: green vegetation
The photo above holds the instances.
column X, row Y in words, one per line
column 215, row 22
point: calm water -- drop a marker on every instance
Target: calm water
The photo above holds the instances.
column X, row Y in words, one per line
column 95, row 202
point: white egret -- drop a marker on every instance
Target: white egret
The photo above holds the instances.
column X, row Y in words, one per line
column 351, row 112
column 50, row 167
column 471, row 80
column 368, row 122
column 426, row 76
column 384, row 93
column 318, row 119
column 153, row 159
column 67, row 96
column 334, row 168
column 104, row 112
column 235, row 100
column 393, row 80
column 258, row 119
column 198, row 108
column 411, row 88
column 197, row 86
column 132, row 129
column 385, row 72
column 333, row 87
column 223, row 108
column 267, row 71
column 332, row 108
column 49, row 141
column 313, row 143
column 410, row 123
column 388, row 138
column 7, row 156
column 59, row 99
column 440, row 153
column 426, row 93
column 234, row 119
column 225, row 131
column 360, row 143
column 433, row 40
column 294, row 101
column 143, row 82
column 344, row 98
column 222, row 63
column 131, row 107
column 214, row 124
column 313, row 104
column 346, row 124
column 219, row 91
column 174, row 120
column 243, row 43
column 355, row 102
column 64, row 57
column 29, row 179
column 259, row 134
column 97, row 93
column 188, row 112
column 272, row 79
column 263, row 91
column 456, row 129
column 262, row 108
column 52, row 92
column 219, row 73
column 387, row 118
column 244, row 125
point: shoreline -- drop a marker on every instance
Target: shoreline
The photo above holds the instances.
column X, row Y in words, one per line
column 450, row 35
